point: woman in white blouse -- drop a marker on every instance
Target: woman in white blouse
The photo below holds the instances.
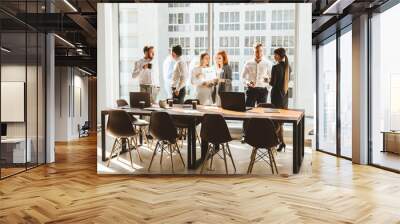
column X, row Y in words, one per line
column 204, row 79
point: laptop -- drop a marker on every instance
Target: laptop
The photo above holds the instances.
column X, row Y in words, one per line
column 136, row 97
column 3, row 131
column 235, row 101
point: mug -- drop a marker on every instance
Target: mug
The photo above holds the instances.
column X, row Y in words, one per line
column 142, row 104
column 194, row 104
column 149, row 65
column 170, row 102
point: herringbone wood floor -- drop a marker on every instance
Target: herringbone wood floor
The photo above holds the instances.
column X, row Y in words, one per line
column 70, row 191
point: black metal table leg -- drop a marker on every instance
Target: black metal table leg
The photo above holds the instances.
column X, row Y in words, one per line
column 140, row 133
column 295, row 147
column 103, row 136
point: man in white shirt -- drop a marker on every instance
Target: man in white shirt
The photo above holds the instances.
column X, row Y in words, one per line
column 179, row 75
column 256, row 74
column 144, row 70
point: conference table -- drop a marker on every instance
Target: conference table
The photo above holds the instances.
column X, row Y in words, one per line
column 290, row 116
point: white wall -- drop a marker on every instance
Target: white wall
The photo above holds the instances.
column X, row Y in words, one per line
column 71, row 96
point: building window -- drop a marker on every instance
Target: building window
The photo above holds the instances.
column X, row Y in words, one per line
column 249, row 43
column 235, row 69
column 201, row 21
column 178, row 5
column 183, row 41
column 282, row 19
column 229, row 21
column 179, row 22
column 230, row 45
column 200, row 45
column 255, row 20
column 286, row 42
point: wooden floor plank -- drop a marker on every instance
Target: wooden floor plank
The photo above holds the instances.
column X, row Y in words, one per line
column 71, row 191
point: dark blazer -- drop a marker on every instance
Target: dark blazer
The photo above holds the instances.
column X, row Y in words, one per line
column 227, row 75
column 278, row 96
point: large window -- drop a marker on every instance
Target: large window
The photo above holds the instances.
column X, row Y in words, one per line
column 385, row 89
column 346, row 94
column 236, row 28
column 327, row 96
column 282, row 19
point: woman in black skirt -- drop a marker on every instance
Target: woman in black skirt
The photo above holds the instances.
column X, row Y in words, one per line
column 280, row 85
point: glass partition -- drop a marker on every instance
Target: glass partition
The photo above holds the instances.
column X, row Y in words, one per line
column 327, row 96
column 385, row 89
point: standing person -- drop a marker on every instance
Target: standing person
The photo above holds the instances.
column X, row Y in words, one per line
column 256, row 74
column 202, row 80
column 280, row 85
column 166, row 78
column 179, row 75
column 224, row 75
column 144, row 70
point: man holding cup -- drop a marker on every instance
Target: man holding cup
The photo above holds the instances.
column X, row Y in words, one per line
column 144, row 70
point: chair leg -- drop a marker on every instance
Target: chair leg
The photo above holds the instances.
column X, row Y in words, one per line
column 134, row 141
column 154, row 153
column 205, row 160
column 170, row 155
column 252, row 158
column 230, row 155
column 130, row 152
column 273, row 159
column 162, row 152
column 211, row 159
column 270, row 161
column 226, row 165
column 179, row 152
column 111, row 153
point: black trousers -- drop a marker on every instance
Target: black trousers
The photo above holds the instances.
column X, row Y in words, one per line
column 180, row 99
column 256, row 95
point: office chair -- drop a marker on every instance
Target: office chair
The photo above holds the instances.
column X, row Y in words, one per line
column 120, row 127
column 164, row 130
column 214, row 130
column 261, row 135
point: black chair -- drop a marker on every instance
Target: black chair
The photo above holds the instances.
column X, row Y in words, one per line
column 122, row 103
column 164, row 130
column 214, row 130
column 120, row 127
column 278, row 125
column 182, row 123
column 83, row 131
column 140, row 124
column 261, row 134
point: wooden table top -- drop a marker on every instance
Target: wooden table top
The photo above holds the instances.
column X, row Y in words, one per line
column 258, row 112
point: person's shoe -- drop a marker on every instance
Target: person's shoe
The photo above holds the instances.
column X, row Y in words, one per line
column 281, row 146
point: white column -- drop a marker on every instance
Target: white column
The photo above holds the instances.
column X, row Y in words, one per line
column 50, row 99
column 360, row 90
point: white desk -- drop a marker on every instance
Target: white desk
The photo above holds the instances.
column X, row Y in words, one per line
column 17, row 147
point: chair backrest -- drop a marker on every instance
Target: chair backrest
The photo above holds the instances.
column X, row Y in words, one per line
column 214, row 129
column 136, row 97
column 266, row 105
column 122, row 103
column 162, row 127
column 189, row 101
column 120, row 124
column 260, row 133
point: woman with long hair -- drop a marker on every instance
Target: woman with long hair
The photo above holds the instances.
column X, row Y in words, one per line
column 224, row 75
column 203, row 80
column 280, row 86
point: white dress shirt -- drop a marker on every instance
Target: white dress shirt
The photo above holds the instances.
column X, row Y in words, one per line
column 146, row 76
column 257, row 72
column 179, row 74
